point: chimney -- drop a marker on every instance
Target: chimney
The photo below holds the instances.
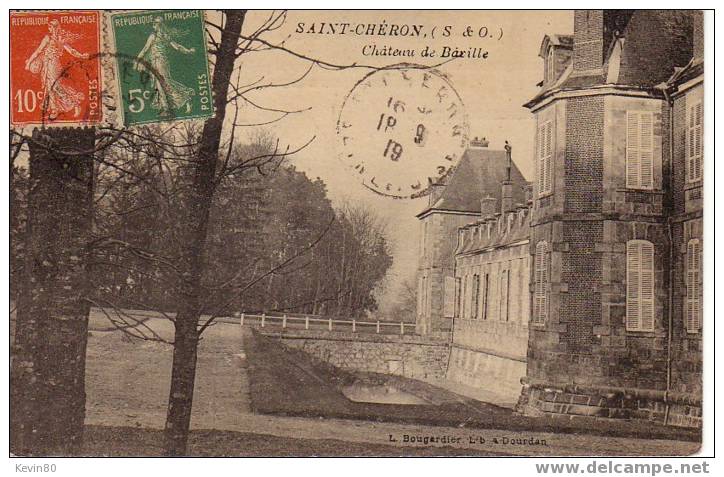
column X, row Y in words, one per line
column 593, row 33
column 478, row 142
column 507, row 195
column 698, row 34
column 587, row 40
column 436, row 189
column 507, row 202
column 487, row 206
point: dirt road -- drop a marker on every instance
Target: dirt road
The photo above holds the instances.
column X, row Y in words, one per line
column 127, row 385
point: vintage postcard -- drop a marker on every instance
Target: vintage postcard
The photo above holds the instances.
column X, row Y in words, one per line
column 358, row 233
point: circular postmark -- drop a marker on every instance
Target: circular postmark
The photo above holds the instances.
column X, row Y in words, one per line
column 91, row 98
column 74, row 93
column 98, row 99
column 402, row 129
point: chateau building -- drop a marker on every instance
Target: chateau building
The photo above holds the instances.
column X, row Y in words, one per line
column 492, row 273
column 614, row 233
column 452, row 205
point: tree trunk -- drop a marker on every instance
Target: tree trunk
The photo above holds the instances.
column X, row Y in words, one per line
column 196, row 221
column 47, row 388
column 183, row 377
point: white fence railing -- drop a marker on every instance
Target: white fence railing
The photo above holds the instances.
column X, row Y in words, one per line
column 330, row 324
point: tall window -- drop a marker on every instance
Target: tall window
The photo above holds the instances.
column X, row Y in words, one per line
column 550, row 67
column 545, row 158
column 504, row 294
column 640, row 150
column 692, row 310
column 458, row 298
column 463, row 297
column 694, row 137
column 540, row 298
column 468, row 296
column 476, row 296
column 639, row 285
column 486, row 287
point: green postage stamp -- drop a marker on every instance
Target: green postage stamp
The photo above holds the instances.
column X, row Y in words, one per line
column 162, row 67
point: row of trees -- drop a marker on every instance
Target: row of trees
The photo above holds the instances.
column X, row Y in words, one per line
column 260, row 218
column 177, row 218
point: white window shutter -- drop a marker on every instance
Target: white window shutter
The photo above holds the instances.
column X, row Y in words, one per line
column 693, row 286
column 640, row 286
column 541, row 167
column 697, row 284
column 646, row 152
column 544, row 283
column 691, row 145
column 536, row 285
column 698, row 137
column 647, row 286
column 549, row 157
column 690, row 278
column 694, row 137
column 633, row 302
column 545, row 158
column 540, row 299
column 632, row 150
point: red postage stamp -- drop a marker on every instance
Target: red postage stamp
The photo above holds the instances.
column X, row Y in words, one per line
column 55, row 71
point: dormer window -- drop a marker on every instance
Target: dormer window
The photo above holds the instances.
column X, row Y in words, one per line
column 556, row 51
column 550, row 67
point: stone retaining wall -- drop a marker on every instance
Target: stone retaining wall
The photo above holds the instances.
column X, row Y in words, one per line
column 587, row 403
column 488, row 371
column 412, row 356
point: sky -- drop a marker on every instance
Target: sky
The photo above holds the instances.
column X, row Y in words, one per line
column 492, row 91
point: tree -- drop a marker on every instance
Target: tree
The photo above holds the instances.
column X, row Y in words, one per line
column 197, row 206
column 47, row 387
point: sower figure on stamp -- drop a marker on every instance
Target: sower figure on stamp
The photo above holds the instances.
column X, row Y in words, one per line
column 60, row 97
column 170, row 94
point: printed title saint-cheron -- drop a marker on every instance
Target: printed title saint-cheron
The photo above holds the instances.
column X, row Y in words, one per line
column 373, row 29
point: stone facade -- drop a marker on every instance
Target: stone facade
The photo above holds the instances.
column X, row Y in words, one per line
column 492, row 273
column 416, row 357
column 435, row 265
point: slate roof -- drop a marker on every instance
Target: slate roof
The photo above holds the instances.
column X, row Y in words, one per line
column 479, row 173
column 655, row 42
